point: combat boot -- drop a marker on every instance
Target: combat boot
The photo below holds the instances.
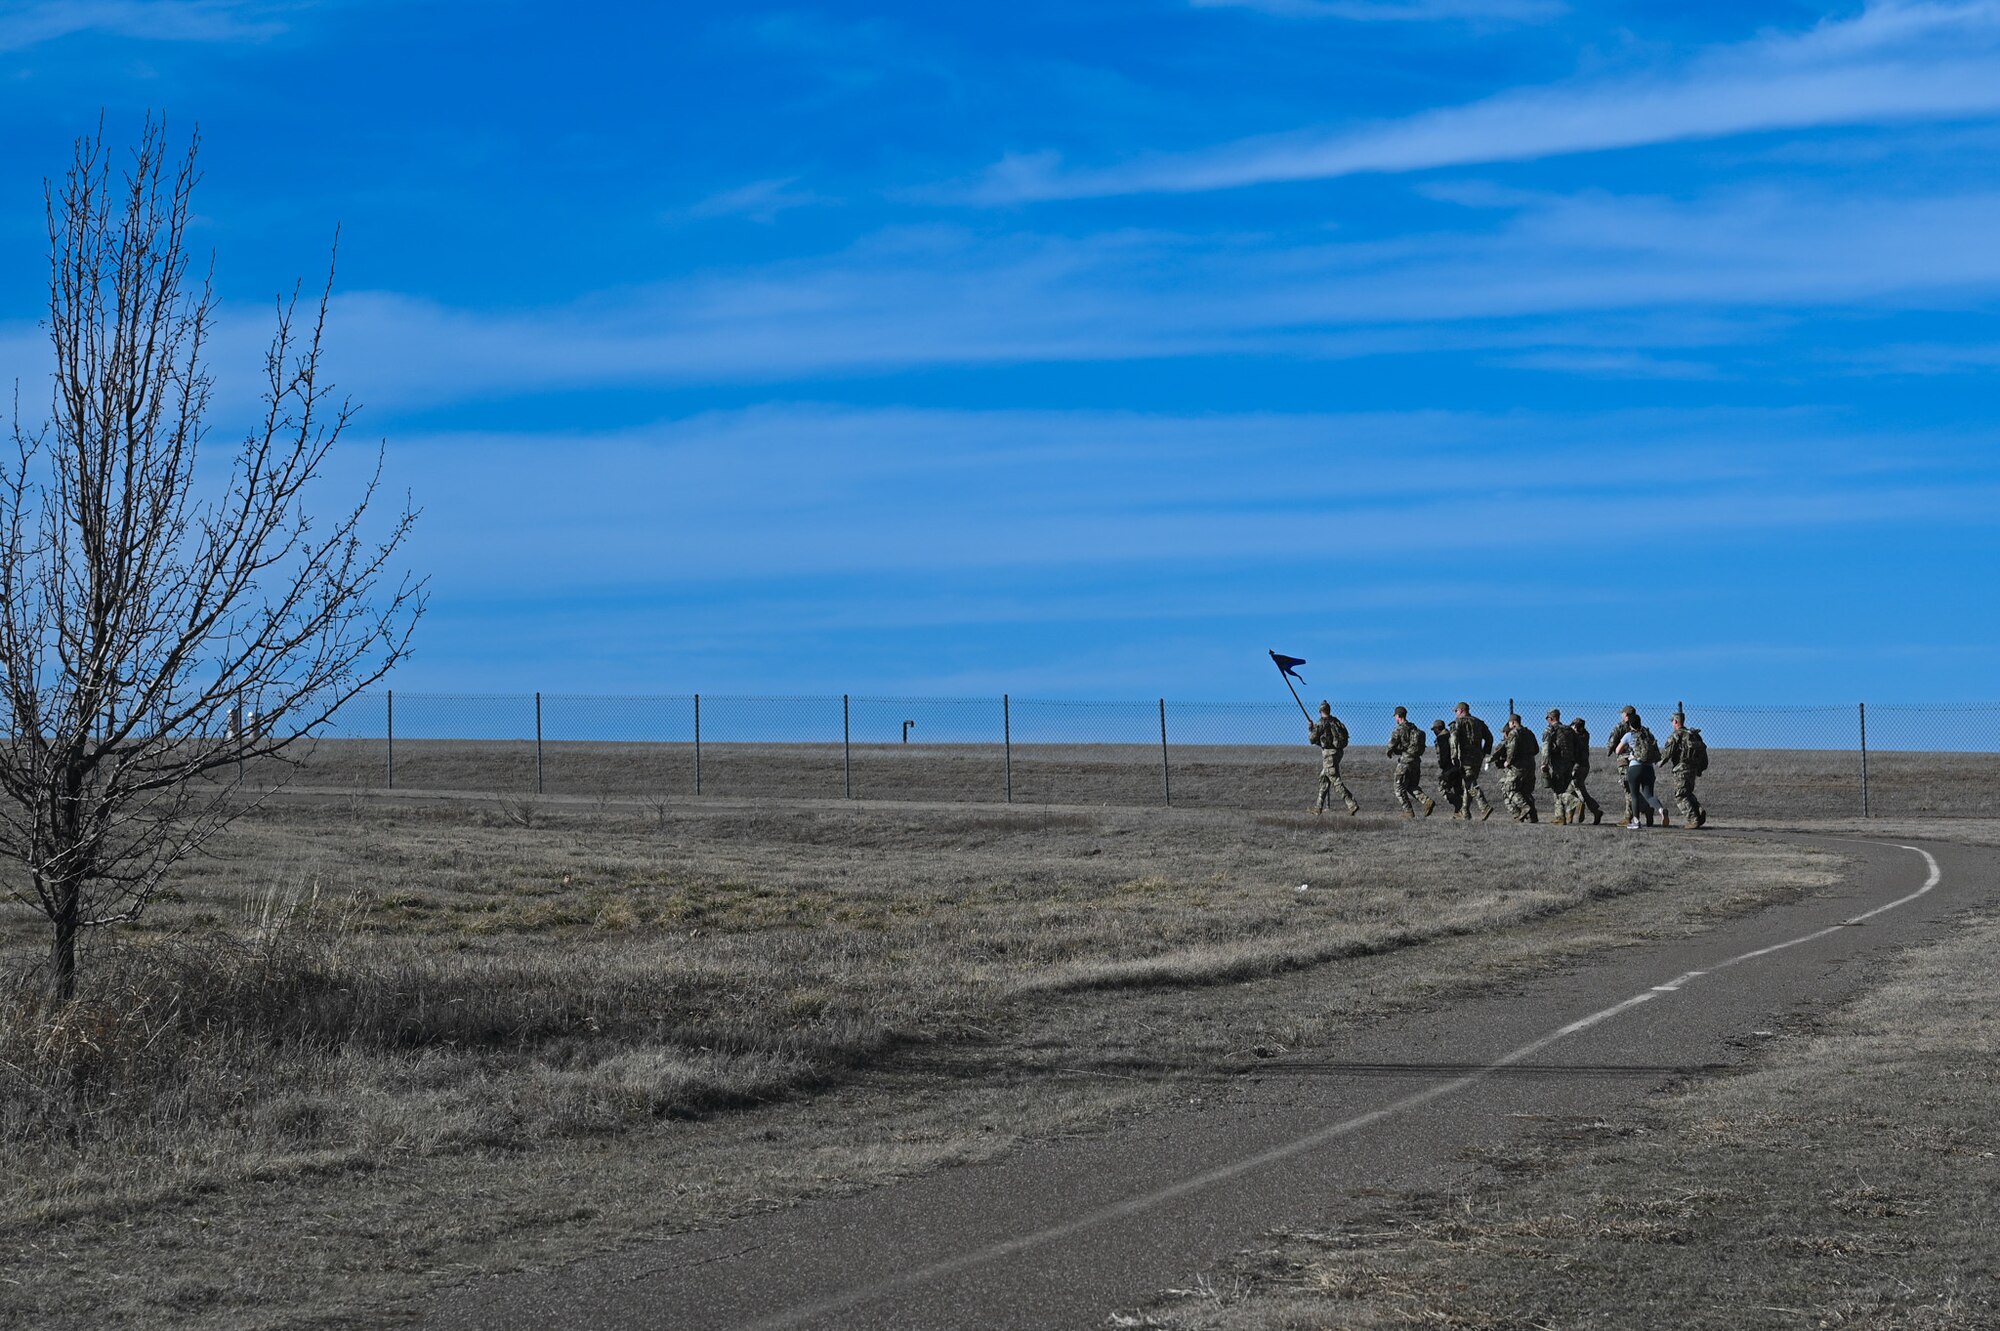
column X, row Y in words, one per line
column 1430, row 806
column 1562, row 818
column 1352, row 808
column 1409, row 813
column 1597, row 817
column 1666, row 819
column 1701, row 819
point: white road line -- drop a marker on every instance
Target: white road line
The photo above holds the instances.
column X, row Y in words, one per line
column 1312, row 1140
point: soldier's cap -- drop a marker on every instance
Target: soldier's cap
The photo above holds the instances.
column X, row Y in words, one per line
column 1555, row 714
column 1402, row 711
column 1513, row 718
column 1463, row 707
column 1628, row 710
column 1681, row 717
column 1437, row 725
column 1325, row 706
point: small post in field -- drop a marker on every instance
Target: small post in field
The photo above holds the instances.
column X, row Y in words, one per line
column 1864, row 760
column 1007, row 742
column 538, row 741
column 697, row 744
column 846, row 750
column 391, row 729
column 1166, row 774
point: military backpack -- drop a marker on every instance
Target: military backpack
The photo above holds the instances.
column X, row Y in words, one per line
column 1645, row 749
column 1694, row 752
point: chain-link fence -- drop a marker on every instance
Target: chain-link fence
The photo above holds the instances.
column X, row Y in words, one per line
column 1808, row 761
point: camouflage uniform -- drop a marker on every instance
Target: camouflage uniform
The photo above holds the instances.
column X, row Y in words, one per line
column 1331, row 736
column 1471, row 741
column 1559, row 768
column 1580, row 775
column 1406, row 746
column 1516, row 759
column 1451, row 781
column 1675, row 756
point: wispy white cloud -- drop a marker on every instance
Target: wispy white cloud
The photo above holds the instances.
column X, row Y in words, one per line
column 745, row 494
column 1399, row 11
column 1613, row 365
column 1592, row 284
column 1591, row 275
column 1977, row 357
column 1897, row 60
column 24, row 25
column 760, row 200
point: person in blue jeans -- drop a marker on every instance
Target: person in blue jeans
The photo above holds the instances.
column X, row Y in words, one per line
column 1643, row 750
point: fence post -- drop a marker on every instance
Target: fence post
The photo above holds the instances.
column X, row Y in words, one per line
column 697, row 744
column 846, row 751
column 1166, row 774
column 1007, row 741
column 1864, row 760
column 538, row 741
column 392, row 739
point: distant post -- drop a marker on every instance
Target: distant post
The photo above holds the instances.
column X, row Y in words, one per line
column 1864, row 760
column 392, row 739
column 906, row 731
column 1166, row 774
column 846, row 749
column 1007, row 742
column 697, row 744
column 538, row 741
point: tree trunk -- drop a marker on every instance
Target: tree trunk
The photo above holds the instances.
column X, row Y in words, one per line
column 62, row 953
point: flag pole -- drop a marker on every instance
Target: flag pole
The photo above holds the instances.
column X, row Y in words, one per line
column 1286, row 675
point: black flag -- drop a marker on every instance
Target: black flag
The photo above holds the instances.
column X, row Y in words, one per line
column 1285, row 664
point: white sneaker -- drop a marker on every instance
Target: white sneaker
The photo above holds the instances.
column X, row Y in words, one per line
column 1634, row 825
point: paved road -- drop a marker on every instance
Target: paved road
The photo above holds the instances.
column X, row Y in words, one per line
column 1057, row 1235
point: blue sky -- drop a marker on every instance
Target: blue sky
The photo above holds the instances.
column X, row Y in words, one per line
column 1090, row 349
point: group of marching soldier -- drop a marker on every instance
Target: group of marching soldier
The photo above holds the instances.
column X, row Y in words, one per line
column 1465, row 747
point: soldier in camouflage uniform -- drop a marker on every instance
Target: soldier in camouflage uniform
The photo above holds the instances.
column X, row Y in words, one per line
column 1559, row 767
column 1331, row 737
column 1678, row 754
column 1451, row 781
column 1406, row 747
column 1580, row 776
column 1515, row 757
column 1471, row 742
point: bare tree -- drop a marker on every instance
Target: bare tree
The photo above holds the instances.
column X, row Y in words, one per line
column 144, row 601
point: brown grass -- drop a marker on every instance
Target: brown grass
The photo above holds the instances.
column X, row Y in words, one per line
column 500, row 1024
column 1742, row 783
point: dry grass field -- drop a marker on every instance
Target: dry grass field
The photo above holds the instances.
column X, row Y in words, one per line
column 1851, row 1180
column 1743, row 783
column 371, row 1045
